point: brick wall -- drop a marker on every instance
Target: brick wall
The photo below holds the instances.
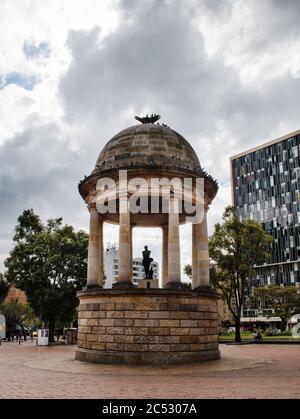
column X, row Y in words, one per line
column 148, row 324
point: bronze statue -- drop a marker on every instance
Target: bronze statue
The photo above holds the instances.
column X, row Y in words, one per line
column 148, row 119
column 147, row 260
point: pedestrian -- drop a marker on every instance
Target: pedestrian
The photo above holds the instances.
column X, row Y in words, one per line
column 257, row 336
column 20, row 336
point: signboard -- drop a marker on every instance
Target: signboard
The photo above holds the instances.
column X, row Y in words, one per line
column 260, row 319
column 2, row 327
column 43, row 337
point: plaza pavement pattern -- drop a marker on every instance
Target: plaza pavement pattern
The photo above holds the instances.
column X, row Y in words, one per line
column 247, row 371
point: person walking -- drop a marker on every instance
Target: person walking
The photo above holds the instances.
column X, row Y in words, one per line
column 20, row 336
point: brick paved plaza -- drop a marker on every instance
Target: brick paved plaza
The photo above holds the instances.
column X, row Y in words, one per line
column 249, row 371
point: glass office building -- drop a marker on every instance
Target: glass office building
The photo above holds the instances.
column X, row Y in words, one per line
column 266, row 188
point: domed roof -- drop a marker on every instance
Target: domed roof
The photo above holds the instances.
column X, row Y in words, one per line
column 147, row 145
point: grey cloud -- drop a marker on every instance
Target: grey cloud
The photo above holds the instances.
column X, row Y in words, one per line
column 275, row 22
column 38, row 171
column 155, row 60
column 283, row 17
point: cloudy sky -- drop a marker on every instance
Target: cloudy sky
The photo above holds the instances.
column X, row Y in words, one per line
column 224, row 73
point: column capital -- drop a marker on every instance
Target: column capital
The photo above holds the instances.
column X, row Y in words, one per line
column 92, row 207
column 207, row 203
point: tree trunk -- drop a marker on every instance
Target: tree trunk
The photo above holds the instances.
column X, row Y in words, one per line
column 238, row 330
column 24, row 332
column 283, row 325
column 51, row 330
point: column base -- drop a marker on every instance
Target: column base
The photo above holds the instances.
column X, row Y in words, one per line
column 91, row 287
column 204, row 288
column 124, row 285
column 146, row 358
column 192, row 340
column 174, row 285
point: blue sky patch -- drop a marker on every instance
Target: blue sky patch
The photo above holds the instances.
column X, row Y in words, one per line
column 35, row 51
column 27, row 82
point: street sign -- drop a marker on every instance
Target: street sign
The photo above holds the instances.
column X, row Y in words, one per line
column 2, row 327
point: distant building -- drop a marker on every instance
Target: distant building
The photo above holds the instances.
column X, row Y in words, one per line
column 111, row 261
column 15, row 295
column 138, row 271
column 224, row 314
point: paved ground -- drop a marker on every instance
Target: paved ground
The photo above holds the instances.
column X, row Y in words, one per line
column 250, row 371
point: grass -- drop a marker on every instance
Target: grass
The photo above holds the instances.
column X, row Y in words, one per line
column 249, row 337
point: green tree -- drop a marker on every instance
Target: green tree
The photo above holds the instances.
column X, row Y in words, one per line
column 187, row 285
column 4, row 288
column 18, row 316
column 283, row 301
column 187, row 270
column 49, row 263
column 235, row 248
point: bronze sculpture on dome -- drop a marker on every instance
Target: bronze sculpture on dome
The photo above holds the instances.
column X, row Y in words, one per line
column 148, row 119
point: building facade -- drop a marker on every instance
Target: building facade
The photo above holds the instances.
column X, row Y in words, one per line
column 138, row 271
column 266, row 188
column 15, row 295
column 110, row 262
column 111, row 267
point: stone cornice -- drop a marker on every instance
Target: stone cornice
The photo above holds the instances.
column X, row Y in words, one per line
column 207, row 291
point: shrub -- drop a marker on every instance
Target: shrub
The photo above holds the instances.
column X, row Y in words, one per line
column 272, row 332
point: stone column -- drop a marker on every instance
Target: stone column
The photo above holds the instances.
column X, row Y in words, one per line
column 165, row 253
column 131, row 251
column 195, row 245
column 200, row 268
column 101, row 265
column 93, row 250
column 174, row 247
column 125, row 252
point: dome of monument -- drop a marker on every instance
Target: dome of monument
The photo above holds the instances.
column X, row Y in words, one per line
column 145, row 146
column 151, row 148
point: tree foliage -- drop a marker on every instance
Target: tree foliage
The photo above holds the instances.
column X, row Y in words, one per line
column 283, row 301
column 187, row 285
column 4, row 288
column 187, row 270
column 236, row 247
column 49, row 263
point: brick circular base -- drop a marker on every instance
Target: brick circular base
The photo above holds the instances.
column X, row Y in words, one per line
column 147, row 326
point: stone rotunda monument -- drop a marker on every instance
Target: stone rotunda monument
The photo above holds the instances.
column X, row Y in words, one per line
column 132, row 325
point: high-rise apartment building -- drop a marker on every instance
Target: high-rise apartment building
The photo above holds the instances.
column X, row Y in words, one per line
column 266, row 188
